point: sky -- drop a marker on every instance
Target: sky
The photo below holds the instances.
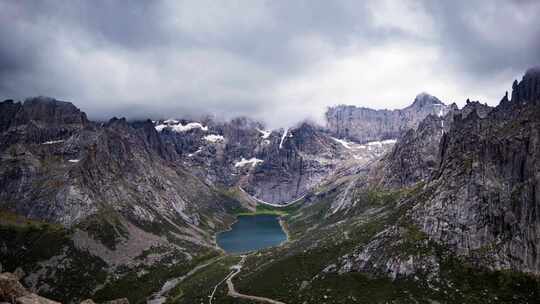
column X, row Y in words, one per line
column 278, row 61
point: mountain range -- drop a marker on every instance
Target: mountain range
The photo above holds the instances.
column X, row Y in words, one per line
column 426, row 204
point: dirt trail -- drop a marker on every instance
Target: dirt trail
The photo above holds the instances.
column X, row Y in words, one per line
column 233, row 293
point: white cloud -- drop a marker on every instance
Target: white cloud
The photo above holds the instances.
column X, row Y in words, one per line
column 407, row 16
column 280, row 62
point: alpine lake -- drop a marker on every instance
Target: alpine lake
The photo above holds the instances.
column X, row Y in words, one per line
column 251, row 233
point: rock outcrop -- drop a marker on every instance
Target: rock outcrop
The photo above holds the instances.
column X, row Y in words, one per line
column 414, row 158
column 528, row 89
column 479, row 195
column 13, row 292
column 10, row 288
column 485, row 201
column 364, row 124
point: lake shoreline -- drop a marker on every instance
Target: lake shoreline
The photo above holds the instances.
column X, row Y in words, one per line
column 285, row 228
column 253, row 232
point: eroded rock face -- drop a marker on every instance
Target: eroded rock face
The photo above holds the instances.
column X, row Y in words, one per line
column 414, row 158
column 479, row 197
column 57, row 166
column 363, row 124
column 275, row 166
column 486, row 200
column 289, row 169
column 50, row 110
column 482, row 196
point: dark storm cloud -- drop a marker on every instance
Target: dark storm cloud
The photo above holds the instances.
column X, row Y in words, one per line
column 280, row 61
column 486, row 37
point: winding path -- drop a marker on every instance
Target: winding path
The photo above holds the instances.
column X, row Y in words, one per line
column 235, row 294
column 211, row 296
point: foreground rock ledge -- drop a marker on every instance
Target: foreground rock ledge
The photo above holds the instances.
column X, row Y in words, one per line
column 12, row 291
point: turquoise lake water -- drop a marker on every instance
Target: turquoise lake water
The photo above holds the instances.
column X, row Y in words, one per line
column 252, row 232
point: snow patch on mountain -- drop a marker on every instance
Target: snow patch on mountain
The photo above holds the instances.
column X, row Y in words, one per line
column 189, row 126
column 283, row 138
column 176, row 126
column 171, row 121
column 344, row 143
column 380, row 143
column 160, row 128
column 214, row 138
column 253, row 161
column 194, row 153
column 265, row 133
column 51, row 142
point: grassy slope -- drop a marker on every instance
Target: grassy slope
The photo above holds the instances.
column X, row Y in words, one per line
column 140, row 282
column 197, row 288
column 29, row 242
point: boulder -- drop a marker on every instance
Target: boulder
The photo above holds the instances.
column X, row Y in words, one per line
column 19, row 273
column 33, row 298
column 88, row 301
column 10, row 287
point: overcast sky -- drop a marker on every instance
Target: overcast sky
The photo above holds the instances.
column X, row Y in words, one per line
column 279, row 61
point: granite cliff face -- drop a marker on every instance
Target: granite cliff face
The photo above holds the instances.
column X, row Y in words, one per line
column 485, row 200
column 471, row 192
column 274, row 166
column 363, row 124
column 414, row 158
column 59, row 167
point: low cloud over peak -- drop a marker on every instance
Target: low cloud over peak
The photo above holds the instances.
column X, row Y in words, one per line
column 278, row 61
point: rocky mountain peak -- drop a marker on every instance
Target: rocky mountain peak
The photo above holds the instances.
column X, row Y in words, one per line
column 528, row 89
column 117, row 122
column 423, row 99
column 364, row 125
column 481, row 109
column 305, row 126
column 50, row 110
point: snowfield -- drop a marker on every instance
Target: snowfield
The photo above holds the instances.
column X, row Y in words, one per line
column 176, row 126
